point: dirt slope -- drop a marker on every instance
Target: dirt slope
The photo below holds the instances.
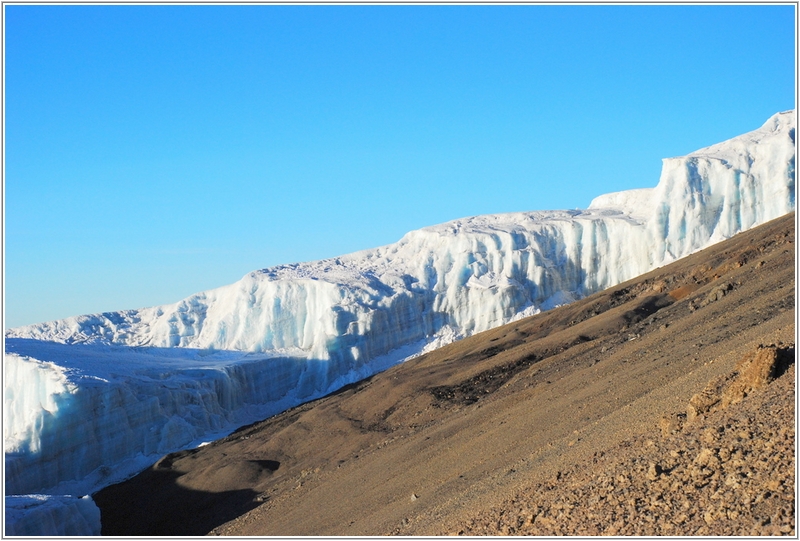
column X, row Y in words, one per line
column 456, row 440
column 730, row 473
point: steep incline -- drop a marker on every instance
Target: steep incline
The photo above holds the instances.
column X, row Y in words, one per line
column 91, row 398
column 472, row 436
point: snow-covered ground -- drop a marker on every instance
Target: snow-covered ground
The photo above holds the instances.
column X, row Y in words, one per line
column 92, row 399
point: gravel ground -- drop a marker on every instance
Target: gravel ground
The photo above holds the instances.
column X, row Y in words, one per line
column 730, row 471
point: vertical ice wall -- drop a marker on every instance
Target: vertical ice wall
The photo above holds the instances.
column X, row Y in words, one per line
column 718, row 191
column 469, row 274
column 43, row 515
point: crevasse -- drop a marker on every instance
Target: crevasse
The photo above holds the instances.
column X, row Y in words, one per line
column 97, row 397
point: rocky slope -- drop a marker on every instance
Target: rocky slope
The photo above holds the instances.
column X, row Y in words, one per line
column 731, row 473
column 600, row 414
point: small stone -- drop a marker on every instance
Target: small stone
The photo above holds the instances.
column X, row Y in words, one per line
column 706, row 457
column 414, row 497
column 732, row 480
column 709, row 436
column 654, row 471
column 773, row 485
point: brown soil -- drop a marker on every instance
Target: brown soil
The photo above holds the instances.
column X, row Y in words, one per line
column 643, row 409
column 731, row 473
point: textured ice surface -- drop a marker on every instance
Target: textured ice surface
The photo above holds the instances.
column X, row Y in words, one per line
column 105, row 412
column 46, row 515
column 91, row 398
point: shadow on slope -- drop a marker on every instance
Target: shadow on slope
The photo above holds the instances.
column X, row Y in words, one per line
column 173, row 509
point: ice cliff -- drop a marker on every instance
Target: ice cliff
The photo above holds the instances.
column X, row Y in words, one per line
column 90, row 399
column 39, row 514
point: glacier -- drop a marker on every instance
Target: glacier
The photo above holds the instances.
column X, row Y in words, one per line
column 90, row 400
column 41, row 514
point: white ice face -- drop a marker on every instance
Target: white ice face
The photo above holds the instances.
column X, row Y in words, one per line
column 92, row 398
column 470, row 274
column 43, row 515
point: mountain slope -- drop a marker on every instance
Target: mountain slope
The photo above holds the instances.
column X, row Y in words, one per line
column 172, row 376
column 89, row 400
column 427, row 447
column 729, row 473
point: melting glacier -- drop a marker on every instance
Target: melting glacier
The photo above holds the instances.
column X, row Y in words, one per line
column 90, row 400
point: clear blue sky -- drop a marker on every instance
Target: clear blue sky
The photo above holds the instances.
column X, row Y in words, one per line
column 155, row 151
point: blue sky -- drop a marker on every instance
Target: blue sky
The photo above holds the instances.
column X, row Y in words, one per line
column 155, row 151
